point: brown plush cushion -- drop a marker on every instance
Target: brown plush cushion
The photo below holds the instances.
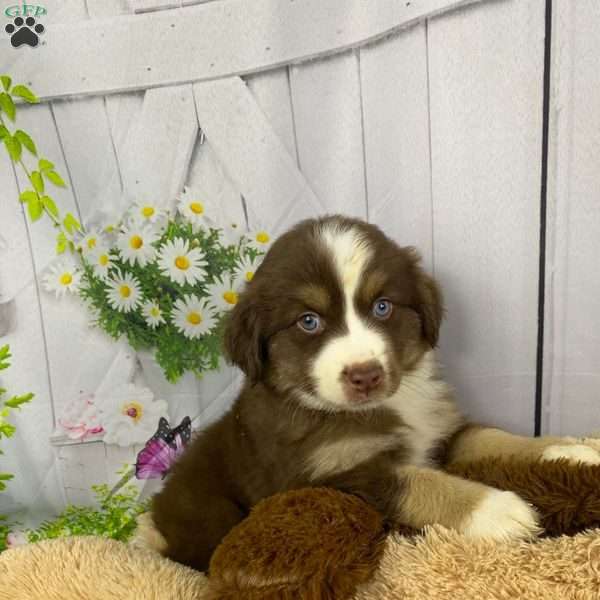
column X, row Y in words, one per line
column 312, row 543
column 315, row 544
column 566, row 495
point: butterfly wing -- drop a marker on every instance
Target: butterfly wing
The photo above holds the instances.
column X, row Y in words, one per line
column 184, row 429
column 155, row 459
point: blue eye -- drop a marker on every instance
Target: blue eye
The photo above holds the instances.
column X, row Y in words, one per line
column 382, row 308
column 310, row 322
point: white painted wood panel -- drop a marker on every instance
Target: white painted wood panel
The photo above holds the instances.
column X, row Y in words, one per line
column 486, row 73
column 251, row 153
column 157, row 152
column 572, row 349
column 395, row 101
column 326, row 100
column 28, row 455
column 173, row 47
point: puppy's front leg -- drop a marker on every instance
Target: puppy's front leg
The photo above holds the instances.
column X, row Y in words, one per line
column 415, row 496
column 475, row 442
column 428, row 496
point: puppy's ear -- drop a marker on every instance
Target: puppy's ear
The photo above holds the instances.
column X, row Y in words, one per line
column 243, row 341
column 429, row 302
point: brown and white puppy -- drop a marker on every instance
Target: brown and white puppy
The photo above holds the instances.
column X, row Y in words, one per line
column 335, row 335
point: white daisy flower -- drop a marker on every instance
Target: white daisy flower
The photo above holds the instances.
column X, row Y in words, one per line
column 124, row 292
column 62, row 277
column 129, row 414
column 146, row 212
column 193, row 206
column 101, row 261
column 90, row 240
column 231, row 233
column 181, row 264
column 192, row 316
column 259, row 239
column 135, row 244
column 246, row 269
column 224, row 295
column 152, row 314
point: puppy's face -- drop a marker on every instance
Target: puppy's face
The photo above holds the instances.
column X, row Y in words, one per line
column 335, row 316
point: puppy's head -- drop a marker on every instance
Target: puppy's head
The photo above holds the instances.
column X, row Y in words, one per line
column 335, row 316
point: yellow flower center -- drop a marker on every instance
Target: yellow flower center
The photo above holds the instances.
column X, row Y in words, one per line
column 91, row 243
column 182, row 263
column 155, row 311
column 125, row 291
column 136, row 242
column 134, row 410
column 230, row 297
column 194, row 318
column 148, row 211
column 66, row 278
column 249, row 275
column 262, row 237
column 197, row 208
column 103, row 259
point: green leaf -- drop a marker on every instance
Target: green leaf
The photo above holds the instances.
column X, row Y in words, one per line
column 6, row 476
column 6, row 81
column 3, row 132
column 71, row 223
column 22, row 91
column 26, row 141
column 61, row 243
column 37, row 181
column 7, row 429
column 50, row 206
column 17, row 401
column 13, row 145
column 8, row 106
column 55, row 178
column 35, row 209
column 45, row 165
column 28, row 196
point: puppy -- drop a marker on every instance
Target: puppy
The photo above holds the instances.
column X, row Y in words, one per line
column 335, row 336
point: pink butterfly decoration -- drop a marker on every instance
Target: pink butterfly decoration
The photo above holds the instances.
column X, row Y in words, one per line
column 162, row 449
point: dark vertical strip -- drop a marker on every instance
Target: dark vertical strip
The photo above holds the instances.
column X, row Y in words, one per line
column 539, row 376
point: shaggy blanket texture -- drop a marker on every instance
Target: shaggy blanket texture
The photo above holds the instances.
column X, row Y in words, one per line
column 438, row 565
column 320, row 544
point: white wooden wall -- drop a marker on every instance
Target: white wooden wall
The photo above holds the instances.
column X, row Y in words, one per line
column 429, row 127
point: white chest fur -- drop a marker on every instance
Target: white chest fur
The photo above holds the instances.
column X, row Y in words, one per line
column 425, row 407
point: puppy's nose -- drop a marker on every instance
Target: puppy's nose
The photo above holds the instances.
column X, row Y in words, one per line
column 364, row 377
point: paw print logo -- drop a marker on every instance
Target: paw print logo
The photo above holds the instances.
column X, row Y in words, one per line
column 24, row 32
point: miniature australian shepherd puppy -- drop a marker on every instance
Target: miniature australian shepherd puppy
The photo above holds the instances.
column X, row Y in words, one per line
column 335, row 336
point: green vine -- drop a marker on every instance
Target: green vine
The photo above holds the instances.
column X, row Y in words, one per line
column 7, row 430
column 36, row 198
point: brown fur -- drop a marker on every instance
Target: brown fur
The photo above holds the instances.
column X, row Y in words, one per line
column 290, row 548
column 272, row 440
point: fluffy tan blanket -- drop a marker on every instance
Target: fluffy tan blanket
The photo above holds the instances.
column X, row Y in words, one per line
column 440, row 564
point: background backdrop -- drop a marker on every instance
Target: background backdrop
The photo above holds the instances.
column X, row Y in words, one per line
column 467, row 133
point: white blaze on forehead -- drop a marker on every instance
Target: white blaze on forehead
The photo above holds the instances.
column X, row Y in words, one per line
column 351, row 254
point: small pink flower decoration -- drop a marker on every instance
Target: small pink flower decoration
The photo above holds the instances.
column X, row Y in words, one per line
column 80, row 418
column 16, row 538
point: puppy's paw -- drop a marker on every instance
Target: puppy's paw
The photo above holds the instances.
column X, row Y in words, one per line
column 574, row 453
column 502, row 516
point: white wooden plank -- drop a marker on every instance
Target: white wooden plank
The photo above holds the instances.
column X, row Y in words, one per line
column 272, row 93
column 77, row 355
column 28, row 454
column 327, row 114
column 98, row 9
column 156, row 155
column 88, row 147
column 396, row 138
column 140, row 6
column 486, row 73
column 572, row 332
column 251, row 153
column 173, row 47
